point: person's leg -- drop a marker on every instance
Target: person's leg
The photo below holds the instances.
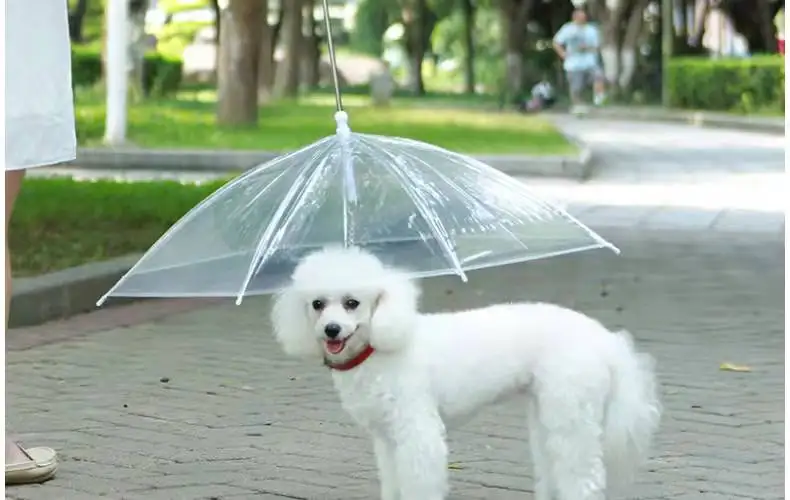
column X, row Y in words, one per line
column 36, row 464
column 576, row 80
column 13, row 183
column 575, row 86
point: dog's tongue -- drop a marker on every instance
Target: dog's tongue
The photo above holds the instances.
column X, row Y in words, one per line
column 334, row 346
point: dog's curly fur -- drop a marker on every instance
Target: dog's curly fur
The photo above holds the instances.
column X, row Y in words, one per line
column 592, row 404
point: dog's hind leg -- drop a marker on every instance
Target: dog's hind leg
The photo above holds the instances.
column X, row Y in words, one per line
column 421, row 457
column 388, row 474
column 573, row 446
column 537, row 436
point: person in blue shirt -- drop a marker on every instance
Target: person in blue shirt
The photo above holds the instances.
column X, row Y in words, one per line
column 577, row 43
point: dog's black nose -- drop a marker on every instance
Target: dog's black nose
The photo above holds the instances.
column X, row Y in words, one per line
column 332, row 330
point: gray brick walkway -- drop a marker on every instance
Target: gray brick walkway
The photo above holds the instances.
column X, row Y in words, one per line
column 200, row 404
column 194, row 401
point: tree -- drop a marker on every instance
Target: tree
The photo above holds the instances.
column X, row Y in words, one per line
column 515, row 15
column 289, row 71
column 311, row 68
column 237, row 71
column 76, row 17
column 621, row 24
column 266, row 66
column 415, row 19
column 468, row 8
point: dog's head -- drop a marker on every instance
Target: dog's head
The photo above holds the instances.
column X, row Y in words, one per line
column 341, row 300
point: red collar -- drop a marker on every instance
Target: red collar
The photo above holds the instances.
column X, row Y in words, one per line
column 353, row 362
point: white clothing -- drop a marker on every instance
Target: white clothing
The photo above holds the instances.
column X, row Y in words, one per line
column 39, row 102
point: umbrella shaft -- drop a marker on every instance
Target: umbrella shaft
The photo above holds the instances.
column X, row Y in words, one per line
column 332, row 60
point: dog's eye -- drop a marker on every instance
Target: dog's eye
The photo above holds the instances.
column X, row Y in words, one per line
column 351, row 304
column 318, row 305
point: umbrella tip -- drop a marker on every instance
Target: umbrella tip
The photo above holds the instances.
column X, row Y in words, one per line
column 239, row 299
column 341, row 119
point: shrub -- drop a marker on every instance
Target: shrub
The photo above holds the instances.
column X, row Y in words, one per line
column 161, row 74
column 749, row 85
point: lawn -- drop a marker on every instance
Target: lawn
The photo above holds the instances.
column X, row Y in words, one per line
column 189, row 122
column 60, row 223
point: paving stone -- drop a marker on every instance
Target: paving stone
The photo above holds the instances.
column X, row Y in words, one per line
column 236, row 419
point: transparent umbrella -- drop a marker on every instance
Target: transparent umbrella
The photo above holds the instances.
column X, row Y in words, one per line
column 414, row 205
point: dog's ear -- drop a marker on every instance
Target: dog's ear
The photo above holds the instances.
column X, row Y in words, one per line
column 395, row 314
column 292, row 326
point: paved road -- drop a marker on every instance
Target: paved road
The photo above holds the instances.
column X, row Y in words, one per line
column 192, row 400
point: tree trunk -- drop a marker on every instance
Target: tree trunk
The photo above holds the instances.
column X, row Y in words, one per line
column 628, row 50
column 137, row 47
column 266, row 66
column 312, row 49
column 237, row 74
column 288, row 72
column 611, row 36
column 766, row 22
column 515, row 14
column 700, row 16
column 217, row 21
column 414, row 21
column 76, row 16
column 469, row 46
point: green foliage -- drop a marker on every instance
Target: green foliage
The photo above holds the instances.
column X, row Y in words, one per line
column 751, row 85
column 161, row 74
column 103, row 219
column 373, row 17
column 448, row 42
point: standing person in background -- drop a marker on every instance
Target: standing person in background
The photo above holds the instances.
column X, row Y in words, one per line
column 577, row 44
column 39, row 131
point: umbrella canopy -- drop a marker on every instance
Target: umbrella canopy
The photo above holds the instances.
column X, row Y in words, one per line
column 413, row 205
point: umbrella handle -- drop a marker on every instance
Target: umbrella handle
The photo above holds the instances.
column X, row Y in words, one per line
column 332, row 59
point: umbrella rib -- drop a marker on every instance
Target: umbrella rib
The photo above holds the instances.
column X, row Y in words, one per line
column 507, row 180
column 471, row 196
column 422, row 206
column 186, row 218
column 302, row 184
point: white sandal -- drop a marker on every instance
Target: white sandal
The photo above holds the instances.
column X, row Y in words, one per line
column 41, row 465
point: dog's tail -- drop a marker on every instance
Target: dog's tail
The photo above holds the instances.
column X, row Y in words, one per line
column 632, row 413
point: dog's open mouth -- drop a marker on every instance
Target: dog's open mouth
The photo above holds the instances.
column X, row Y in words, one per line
column 335, row 346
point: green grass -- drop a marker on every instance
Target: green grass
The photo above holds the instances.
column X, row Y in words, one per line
column 60, row 223
column 284, row 126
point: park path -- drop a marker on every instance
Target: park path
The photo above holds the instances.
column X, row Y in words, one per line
column 661, row 176
column 193, row 400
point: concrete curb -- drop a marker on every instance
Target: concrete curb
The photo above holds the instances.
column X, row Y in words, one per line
column 697, row 118
column 571, row 166
column 65, row 293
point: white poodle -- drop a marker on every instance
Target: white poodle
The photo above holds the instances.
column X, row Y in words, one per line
column 592, row 406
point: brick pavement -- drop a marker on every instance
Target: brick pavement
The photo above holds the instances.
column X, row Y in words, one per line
column 200, row 404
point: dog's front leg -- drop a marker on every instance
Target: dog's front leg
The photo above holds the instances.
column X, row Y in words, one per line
column 421, row 459
column 388, row 475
